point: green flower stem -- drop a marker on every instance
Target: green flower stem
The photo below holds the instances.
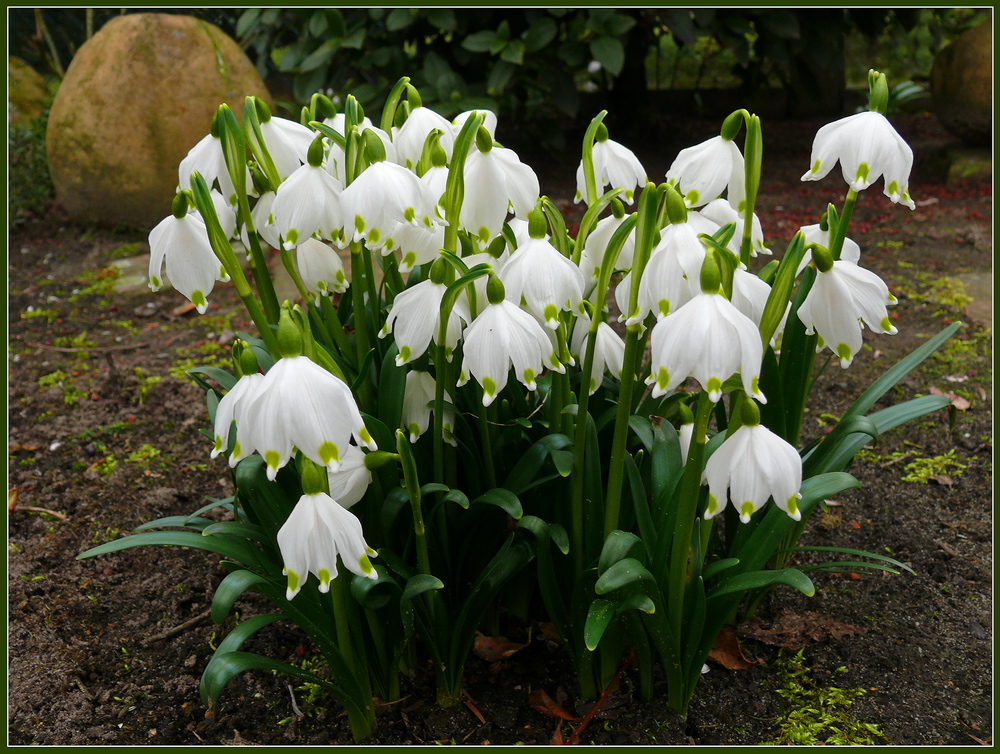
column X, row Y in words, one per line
column 752, row 159
column 224, row 251
column 361, row 335
column 486, row 437
column 455, row 192
column 579, row 447
column 338, row 599
column 645, row 237
column 293, row 272
column 680, row 549
column 589, row 222
column 589, row 178
column 840, row 233
column 412, row 483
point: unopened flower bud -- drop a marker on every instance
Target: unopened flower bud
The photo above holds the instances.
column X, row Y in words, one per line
column 676, row 209
column 312, row 476
column 179, row 207
column 245, row 358
column 374, row 148
column 617, row 209
column 484, row 142
column 602, row 133
column 750, row 414
column 711, row 278
column 289, row 336
column 494, row 289
column 731, row 126
column 497, row 246
column 878, row 96
column 822, row 258
column 316, row 150
column 537, row 224
column 263, row 111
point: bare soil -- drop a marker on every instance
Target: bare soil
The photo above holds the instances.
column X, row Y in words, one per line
column 102, row 437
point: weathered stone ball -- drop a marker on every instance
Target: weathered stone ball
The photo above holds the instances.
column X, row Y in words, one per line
column 136, row 97
column 962, row 85
column 27, row 92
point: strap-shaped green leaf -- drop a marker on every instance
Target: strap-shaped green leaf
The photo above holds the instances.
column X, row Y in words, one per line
column 620, row 545
column 230, row 590
column 502, row 498
column 601, row 613
column 244, row 630
column 622, row 573
column 859, row 553
column 234, row 549
column 761, row 579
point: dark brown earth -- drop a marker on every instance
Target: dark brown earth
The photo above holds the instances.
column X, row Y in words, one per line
column 109, row 651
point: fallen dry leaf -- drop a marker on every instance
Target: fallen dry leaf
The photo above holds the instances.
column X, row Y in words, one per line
column 19, row 447
column 794, row 630
column 11, row 498
column 957, row 401
column 727, row 652
column 542, row 702
column 942, row 479
column 494, row 648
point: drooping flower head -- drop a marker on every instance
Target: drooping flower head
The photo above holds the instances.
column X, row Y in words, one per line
column 307, row 204
column 544, row 279
column 609, row 350
column 615, row 166
column 495, row 182
column 702, row 172
column 349, row 483
column 867, row 148
column 317, row 531
column 415, row 319
column 501, row 336
column 418, row 406
column 753, row 466
column 320, row 267
column 842, row 296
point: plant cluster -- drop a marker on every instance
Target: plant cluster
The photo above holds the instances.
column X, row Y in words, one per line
column 457, row 406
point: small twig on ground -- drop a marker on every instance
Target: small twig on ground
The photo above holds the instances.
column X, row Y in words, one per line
column 575, row 738
column 34, row 509
column 295, row 708
column 470, row 703
column 176, row 630
column 128, row 347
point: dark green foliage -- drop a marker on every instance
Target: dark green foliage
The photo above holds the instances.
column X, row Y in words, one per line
column 29, row 187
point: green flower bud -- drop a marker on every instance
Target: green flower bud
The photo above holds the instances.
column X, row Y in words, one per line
column 686, row 414
column 439, row 271
column 617, row 209
column 537, row 225
column 263, row 111
column 313, row 477
column 379, row 458
column 374, row 148
column 289, row 337
column 750, row 413
column 316, row 151
column 322, row 107
column 494, row 289
column 413, row 97
column 731, row 125
column 676, row 210
column 497, row 246
column 214, row 130
column 711, row 277
column 602, row 133
column 246, row 360
column 439, row 158
column 179, row 206
column 878, row 97
column 821, row 257
column 484, row 142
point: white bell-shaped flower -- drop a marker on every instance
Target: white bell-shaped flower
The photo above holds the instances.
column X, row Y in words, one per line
column 867, row 147
column 206, row 157
column 349, row 483
column 192, row 267
column 671, row 276
column 709, row 339
column 495, row 181
column 415, row 319
column 489, row 121
column 615, row 166
column 307, row 203
column 609, row 350
column 849, row 252
column 320, row 267
column 721, row 212
column 596, row 244
column 287, row 142
column 383, row 196
column 839, row 300
column 316, row 532
column 299, row 404
column 501, row 336
column 753, row 465
column 232, row 408
column 544, row 279
column 436, row 177
column 410, row 137
column 702, row 172
column 263, row 222
column 416, row 245
column 418, row 406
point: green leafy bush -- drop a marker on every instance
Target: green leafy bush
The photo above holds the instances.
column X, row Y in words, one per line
column 29, row 187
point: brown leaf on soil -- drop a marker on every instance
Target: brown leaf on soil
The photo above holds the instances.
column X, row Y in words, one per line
column 19, row 447
column 943, row 479
column 11, row 498
column 495, row 648
column 727, row 652
column 957, row 401
column 794, row 630
column 542, row 702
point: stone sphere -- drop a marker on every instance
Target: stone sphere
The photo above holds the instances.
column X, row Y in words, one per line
column 962, row 86
column 136, row 97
